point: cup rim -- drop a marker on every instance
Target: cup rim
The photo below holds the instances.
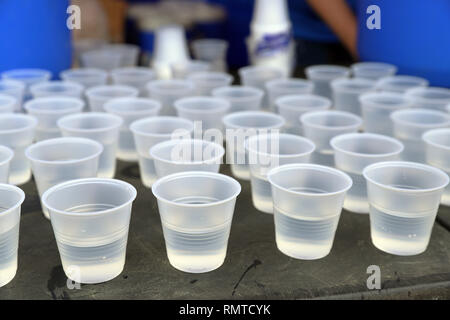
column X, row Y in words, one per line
column 282, row 156
column 390, row 81
column 231, row 116
column 62, row 125
column 280, row 102
column 426, row 137
column 323, row 71
column 128, row 90
column 279, row 82
column 15, row 83
column 138, row 70
column 417, row 91
column 395, row 117
column 358, row 120
column 9, row 156
column 224, row 106
column 156, row 85
column 203, row 76
column 10, row 101
column 254, row 93
column 207, row 174
column 407, row 164
column 128, row 186
column 250, row 70
column 310, row 166
column 67, row 84
column 88, row 72
column 382, row 66
column 10, row 187
column 31, row 125
column 77, row 107
column 340, row 84
column 15, row 74
column 136, row 123
column 153, row 105
column 348, row 136
column 371, row 97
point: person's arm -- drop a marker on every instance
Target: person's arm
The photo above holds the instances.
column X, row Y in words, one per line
column 340, row 18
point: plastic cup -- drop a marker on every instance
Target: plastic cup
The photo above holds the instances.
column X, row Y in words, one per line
column 57, row 88
column 307, row 203
column 181, row 70
column 400, row 84
column 7, row 103
column 88, row 77
column 373, row 70
column 130, row 110
column 136, row 77
column 168, row 91
column 213, row 51
column 242, row 125
column 289, row 86
column 377, row 108
column 6, row 155
column 175, row 156
column 62, row 159
column 98, row 96
column 241, row 98
column 90, row 219
column 101, row 127
column 196, row 210
column 11, row 199
column 430, row 97
column 346, row 93
column 322, row 75
column 448, row 108
column 355, row 151
column 101, row 59
column 292, row 107
column 208, row 110
column 48, row 110
column 129, row 53
column 411, row 124
column 267, row 151
column 404, row 199
column 28, row 77
column 17, row 133
column 437, row 153
column 151, row 131
column 321, row 126
column 205, row 82
column 14, row 89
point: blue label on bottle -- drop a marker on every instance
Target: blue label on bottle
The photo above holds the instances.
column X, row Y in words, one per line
column 271, row 44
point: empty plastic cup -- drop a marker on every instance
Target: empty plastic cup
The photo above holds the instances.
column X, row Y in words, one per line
column 292, row 107
column 213, row 51
column 377, row 108
column 28, row 77
column 99, row 126
column 17, row 133
column 430, row 97
column 6, row 155
column 48, row 110
column 241, row 98
column 267, row 151
column 130, row 110
column 175, row 156
column 62, row 159
column 322, row 75
column 11, row 199
column 101, row 59
column 88, row 77
column 283, row 87
column 411, row 124
column 57, row 88
column 98, row 96
column 8, row 104
column 307, row 204
column 129, row 53
column 168, row 91
column 205, row 82
column 208, row 110
column 404, row 199
column 400, row 84
column 151, row 131
column 14, row 89
column 136, row 77
column 196, row 210
column 373, row 70
column 437, row 154
column 346, row 93
column 355, row 151
column 90, row 220
column 242, row 125
column 181, row 70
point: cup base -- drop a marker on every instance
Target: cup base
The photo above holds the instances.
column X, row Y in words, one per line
column 190, row 269
column 8, row 275
column 240, row 171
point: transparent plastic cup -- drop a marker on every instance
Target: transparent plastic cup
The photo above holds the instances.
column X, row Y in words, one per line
column 355, row 151
column 98, row 96
column 208, row 110
column 57, row 88
column 196, row 210
column 8, row 103
column 430, row 97
column 28, row 77
column 168, row 91
column 289, row 86
column 136, row 77
column 6, row 155
column 400, row 84
column 14, row 89
column 11, row 199
column 213, row 51
column 151, row 131
column 411, row 124
column 346, row 93
column 321, row 126
column 205, row 82
column 437, row 154
column 88, row 77
column 377, row 108
column 48, row 110
column 90, row 219
column 307, row 203
column 292, row 107
column 373, row 70
column 241, row 98
column 101, row 127
column 130, row 110
column 322, row 75
column 129, row 53
column 404, row 199
column 267, row 151
column 180, row 70
column 62, row 159
column 242, row 125
column 17, row 133
column 101, row 59
column 175, row 156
